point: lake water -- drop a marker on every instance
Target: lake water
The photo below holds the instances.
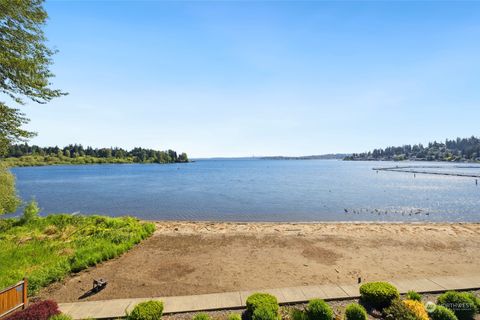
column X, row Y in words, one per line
column 254, row 190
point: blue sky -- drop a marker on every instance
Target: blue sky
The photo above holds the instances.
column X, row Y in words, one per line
column 261, row 78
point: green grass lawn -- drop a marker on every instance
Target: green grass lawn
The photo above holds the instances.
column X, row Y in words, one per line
column 47, row 249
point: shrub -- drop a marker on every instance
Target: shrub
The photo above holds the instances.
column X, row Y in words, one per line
column 264, row 312
column 201, row 316
column 61, row 316
column 318, row 309
column 264, row 300
column 8, row 196
column 412, row 295
column 149, row 310
column 398, row 311
column 30, row 212
column 378, row 294
column 417, row 308
column 475, row 299
column 234, row 316
column 297, row 314
column 442, row 313
column 355, row 311
column 42, row 310
column 460, row 303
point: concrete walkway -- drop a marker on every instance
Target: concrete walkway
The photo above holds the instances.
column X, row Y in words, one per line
column 234, row 300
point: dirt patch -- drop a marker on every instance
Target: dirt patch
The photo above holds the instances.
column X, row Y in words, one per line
column 184, row 258
column 320, row 255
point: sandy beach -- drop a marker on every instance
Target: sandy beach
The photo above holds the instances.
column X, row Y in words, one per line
column 184, row 258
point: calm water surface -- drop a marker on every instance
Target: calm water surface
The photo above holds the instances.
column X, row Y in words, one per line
column 254, row 190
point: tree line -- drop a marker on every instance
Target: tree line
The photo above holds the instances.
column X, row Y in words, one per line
column 77, row 151
column 460, row 149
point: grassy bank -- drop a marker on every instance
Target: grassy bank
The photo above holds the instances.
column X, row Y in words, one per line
column 47, row 249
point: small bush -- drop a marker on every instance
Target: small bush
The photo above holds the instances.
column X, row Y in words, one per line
column 30, row 212
column 398, row 311
column 149, row 310
column 355, row 311
column 201, row 316
column 9, row 200
column 475, row 299
column 297, row 314
column 460, row 303
column 234, row 316
column 378, row 294
column 318, row 309
column 417, row 308
column 442, row 313
column 42, row 310
column 412, row 295
column 265, row 312
column 61, row 316
column 264, row 301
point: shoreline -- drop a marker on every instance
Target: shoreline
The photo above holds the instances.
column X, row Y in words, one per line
column 309, row 222
column 40, row 165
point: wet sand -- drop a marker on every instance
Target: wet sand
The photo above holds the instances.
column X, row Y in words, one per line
column 184, row 258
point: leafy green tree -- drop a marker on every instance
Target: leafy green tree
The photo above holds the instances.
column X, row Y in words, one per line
column 24, row 65
column 24, row 73
column 183, row 157
column 11, row 121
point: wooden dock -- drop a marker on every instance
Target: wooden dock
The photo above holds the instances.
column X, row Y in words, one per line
column 417, row 169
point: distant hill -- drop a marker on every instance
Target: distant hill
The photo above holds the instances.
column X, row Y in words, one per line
column 338, row 156
column 458, row 150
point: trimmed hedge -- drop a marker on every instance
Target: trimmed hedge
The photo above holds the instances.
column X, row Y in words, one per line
column 355, row 311
column 266, row 304
column 378, row 294
column 442, row 313
column 265, row 313
column 460, row 303
column 42, row 310
column 318, row 309
column 475, row 299
column 149, row 310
